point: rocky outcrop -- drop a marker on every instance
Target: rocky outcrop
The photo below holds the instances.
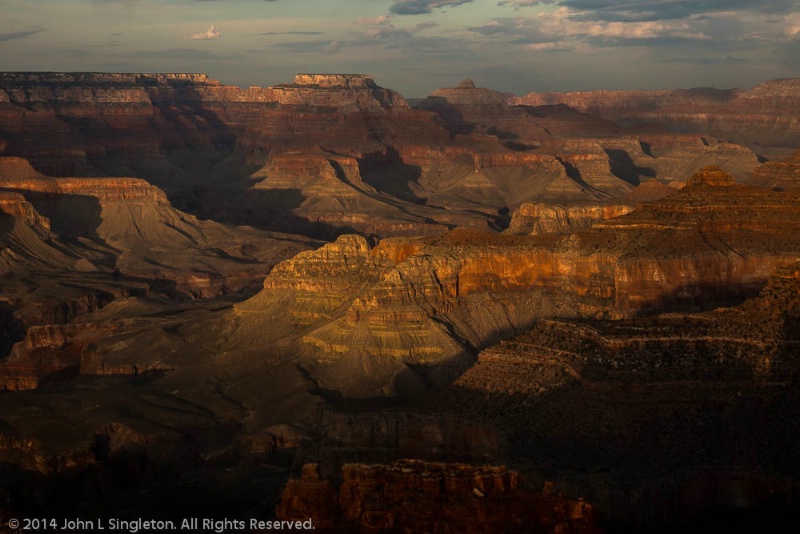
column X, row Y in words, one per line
column 414, row 496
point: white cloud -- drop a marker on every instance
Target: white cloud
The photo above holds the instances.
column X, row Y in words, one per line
column 210, row 34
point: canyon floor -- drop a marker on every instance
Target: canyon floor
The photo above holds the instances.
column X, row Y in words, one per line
column 476, row 313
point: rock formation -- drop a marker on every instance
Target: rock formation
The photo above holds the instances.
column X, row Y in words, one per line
column 405, row 306
column 414, row 496
column 463, row 157
column 673, row 394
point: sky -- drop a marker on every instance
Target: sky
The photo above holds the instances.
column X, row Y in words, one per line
column 416, row 46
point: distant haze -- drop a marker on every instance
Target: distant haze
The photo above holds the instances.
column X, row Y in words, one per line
column 415, row 46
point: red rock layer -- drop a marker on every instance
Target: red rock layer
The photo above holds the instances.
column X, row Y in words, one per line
column 413, row 496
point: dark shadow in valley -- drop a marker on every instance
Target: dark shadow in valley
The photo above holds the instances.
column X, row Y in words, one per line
column 453, row 118
column 624, row 168
column 700, row 297
column 11, row 329
column 273, row 209
column 388, row 174
column 69, row 215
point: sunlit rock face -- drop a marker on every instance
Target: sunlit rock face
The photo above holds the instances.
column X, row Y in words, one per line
column 429, row 301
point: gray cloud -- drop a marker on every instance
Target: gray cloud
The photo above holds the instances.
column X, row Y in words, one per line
column 516, row 4
column 10, row 36
column 421, row 7
column 383, row 28
column 647, row 10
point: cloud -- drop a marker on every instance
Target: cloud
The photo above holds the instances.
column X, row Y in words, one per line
column 383, row 28
column 332, row 47
column 643, row 10
column 421, row 7
column 212, row 33
column 10, row 36
column 516, row 4
column 563, row 27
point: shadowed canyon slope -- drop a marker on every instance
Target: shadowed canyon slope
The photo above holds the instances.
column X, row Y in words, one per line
column 204, row 288
column 765, row 115
column 294, row 157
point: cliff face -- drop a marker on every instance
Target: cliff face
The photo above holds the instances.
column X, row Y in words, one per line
column 428, row 303
column 391, row 168
column 609, row 393
column 414, row 496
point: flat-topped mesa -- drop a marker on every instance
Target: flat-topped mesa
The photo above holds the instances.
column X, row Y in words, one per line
column 335, row 80
column 338, row 91
column 106, row 78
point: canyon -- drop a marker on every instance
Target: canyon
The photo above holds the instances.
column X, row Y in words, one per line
column 477, row 312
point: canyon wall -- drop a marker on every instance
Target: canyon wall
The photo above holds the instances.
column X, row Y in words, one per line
column 412, row 310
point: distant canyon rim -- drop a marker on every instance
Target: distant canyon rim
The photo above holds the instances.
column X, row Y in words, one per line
column 472, row 312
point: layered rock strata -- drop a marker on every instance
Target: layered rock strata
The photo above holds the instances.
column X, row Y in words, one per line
column 414, row 496
column 690, row 389
column 535, row 219
column 411, row 310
